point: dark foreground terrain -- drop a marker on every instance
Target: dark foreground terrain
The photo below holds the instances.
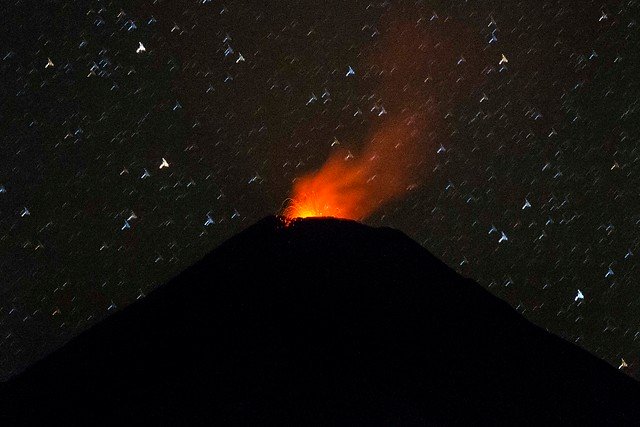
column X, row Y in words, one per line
column 321, row 322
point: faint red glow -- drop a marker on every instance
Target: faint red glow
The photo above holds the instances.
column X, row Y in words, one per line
column 413, row 72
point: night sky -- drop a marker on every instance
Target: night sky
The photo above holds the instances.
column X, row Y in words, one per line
column 136, row 136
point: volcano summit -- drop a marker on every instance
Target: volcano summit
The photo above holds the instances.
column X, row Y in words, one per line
column 322, row 321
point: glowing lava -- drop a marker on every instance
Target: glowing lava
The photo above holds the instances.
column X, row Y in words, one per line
column 354, row 187
column 337, row 190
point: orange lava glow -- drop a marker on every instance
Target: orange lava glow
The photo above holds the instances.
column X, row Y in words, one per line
column 337, row 190
column 353, row 187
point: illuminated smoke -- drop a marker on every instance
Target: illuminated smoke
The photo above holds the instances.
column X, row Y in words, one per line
column 392, row 161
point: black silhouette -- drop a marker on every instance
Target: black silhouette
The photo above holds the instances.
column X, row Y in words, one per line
column 324, row 322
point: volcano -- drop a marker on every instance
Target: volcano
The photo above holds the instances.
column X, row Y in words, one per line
column 320, row 321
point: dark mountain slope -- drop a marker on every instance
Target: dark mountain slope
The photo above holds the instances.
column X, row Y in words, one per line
column 321, row 322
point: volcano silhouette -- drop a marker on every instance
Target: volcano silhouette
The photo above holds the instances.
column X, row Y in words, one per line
column 320, row 322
